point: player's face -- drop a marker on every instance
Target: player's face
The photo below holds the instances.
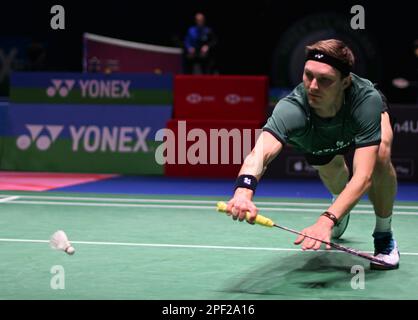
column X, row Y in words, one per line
column 323, row 84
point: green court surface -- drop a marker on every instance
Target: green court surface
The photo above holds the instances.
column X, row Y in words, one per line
column 164, row 247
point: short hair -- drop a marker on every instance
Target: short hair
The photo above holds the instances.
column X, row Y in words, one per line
column 335, row 48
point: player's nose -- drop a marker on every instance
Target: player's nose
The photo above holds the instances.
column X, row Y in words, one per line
column 313, row 85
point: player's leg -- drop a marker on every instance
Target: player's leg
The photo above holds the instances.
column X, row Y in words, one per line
column 382, row 195
column 384, row 185
column 334, row 173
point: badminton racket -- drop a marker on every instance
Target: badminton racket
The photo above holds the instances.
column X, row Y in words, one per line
column 264, row 221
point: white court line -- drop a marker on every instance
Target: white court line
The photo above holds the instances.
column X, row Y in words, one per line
column 131, row 44
column 11, row 198
column 181, row 246
column 24, row 240
column 291, row 204
column 127, row 205
column 118, row 199
column 118, row 205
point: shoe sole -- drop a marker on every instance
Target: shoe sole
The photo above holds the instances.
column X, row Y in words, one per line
column 374, row 266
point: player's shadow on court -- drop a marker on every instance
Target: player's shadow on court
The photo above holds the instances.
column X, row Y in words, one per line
column 302, row 274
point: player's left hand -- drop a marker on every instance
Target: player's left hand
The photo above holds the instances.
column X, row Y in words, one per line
column 321, row 230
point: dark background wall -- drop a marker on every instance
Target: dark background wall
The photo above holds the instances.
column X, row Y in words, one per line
column 251, row 34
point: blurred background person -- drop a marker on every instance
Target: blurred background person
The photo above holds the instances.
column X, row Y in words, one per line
column 199, row 43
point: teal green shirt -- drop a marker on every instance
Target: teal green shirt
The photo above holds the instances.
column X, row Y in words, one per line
column 357, row 122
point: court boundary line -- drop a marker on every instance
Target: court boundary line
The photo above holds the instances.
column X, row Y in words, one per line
column 156, row 206
column 183, row 246
column 7, row 199
column 285, row 203
column 189, row 246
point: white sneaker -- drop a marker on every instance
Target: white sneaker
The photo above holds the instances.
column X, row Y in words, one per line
column 339, row 228
column 387, row 250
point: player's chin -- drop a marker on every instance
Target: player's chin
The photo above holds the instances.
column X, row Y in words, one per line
column 313, row 103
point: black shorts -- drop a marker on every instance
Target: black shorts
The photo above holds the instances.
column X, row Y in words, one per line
column 321, row 160
column 316, row 160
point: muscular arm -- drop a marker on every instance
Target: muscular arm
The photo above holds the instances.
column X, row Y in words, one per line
column 364, row 161
column 288, row 118
column 367, row 119
column 266, row 149
column 363, row 166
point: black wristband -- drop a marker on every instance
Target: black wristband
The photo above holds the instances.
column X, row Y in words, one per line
column 246, row 181
column 329, row 215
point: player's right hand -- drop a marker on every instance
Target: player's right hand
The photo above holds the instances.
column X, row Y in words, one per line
column 240, row 204
column 321, row 230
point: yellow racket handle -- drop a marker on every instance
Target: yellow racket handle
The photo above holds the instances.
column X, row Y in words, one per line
column 259, row 219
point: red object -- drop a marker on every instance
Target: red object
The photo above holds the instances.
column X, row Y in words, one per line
column 43, row 181
column 205, row 158
column 220, row 97
column 116, row 55
column 207, row 110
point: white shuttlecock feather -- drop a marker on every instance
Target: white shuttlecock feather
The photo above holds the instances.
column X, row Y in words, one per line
column 59, row 241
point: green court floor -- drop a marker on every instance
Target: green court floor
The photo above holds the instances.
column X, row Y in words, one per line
column 142, row 247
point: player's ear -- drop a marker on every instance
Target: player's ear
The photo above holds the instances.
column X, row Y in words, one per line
column 347, row 82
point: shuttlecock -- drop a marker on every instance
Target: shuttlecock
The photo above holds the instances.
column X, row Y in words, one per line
column 59, row 241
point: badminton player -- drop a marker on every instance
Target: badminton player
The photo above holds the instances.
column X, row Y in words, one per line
column 330, row 113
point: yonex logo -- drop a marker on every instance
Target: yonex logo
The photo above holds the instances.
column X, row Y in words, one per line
column 109, row 139
column 319, row 56
column 232, row 98
column 43, row 141
column 194, row 98
column 92, row 88
column 63, row 87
